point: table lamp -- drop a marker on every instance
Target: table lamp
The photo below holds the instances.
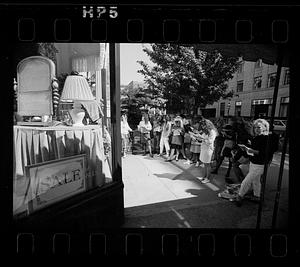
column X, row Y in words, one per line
column 76, row 88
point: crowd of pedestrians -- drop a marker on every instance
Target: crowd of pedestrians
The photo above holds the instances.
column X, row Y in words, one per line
column 201, row 142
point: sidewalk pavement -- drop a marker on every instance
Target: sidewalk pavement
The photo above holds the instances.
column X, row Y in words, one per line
column 160, row 194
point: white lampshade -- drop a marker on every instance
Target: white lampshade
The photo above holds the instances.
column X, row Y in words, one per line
column 76, row 88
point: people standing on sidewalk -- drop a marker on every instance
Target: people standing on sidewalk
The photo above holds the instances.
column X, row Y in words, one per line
column 208, row 135
column 177, row 132
column 257, row 156
column 145, row 127
column 239, row 155
column 125, row 129
column 185, row 122
column 156, row 128
column 195, row 142
column 187, row 138
column 219, row 142
column 165, row 133
column 229, row 141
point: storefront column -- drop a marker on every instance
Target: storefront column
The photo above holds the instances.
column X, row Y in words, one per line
column 114, row 77
column 103, row 89
column 98, row 86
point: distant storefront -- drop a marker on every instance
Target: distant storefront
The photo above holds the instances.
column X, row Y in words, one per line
column 253, row 86
column 261, row 108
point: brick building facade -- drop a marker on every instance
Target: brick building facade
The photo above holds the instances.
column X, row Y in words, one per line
column 253, row 87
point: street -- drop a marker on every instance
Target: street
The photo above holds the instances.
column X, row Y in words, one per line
column 159, row 194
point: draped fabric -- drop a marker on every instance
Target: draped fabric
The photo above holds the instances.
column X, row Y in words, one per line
column 92, row 62
column 34, row 145
column 93, row 109
column 86, row 63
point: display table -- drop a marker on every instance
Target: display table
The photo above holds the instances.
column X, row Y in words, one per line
column 33, row 145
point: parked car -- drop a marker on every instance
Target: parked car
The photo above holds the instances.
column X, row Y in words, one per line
column 279, row 126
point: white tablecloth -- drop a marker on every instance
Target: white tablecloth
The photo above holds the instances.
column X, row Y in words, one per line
column 34, row 145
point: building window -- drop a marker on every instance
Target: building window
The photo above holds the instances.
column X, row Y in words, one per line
column 238, row 108
column 258, row 64
column 271, row 79
column 284, row 103
column 261, row 108
column 239, row 86
column 286, row 77
column 222, row 109
column 257, row 82
column 240, row 68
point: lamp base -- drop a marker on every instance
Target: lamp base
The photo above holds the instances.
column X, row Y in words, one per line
column 77, row 115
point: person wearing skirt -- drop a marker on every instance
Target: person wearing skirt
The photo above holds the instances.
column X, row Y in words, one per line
column 195, row 143
column 195, row 150
column 177, row 132
column 207, row 147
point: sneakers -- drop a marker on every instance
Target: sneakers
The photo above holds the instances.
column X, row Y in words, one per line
column 205, row 181
column 237, row 199
column 197, row 164
column 200, row 178
column 188, row 162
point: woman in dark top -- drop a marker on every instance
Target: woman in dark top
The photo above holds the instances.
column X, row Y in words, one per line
column 228, row 134
column 257, row 154
column 240, row 156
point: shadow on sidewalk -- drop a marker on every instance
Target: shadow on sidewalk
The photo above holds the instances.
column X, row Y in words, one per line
column 192, row 213
column 200, row 207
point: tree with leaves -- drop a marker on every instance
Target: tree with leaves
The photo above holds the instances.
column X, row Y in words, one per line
column 187, row 77
column 48, row 50
column 133, row 99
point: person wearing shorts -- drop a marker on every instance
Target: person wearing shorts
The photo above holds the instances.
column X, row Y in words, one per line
column 145, row 128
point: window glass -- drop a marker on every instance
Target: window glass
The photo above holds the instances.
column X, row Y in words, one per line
column 240, row 67
column 257, row 82
column 239, row 86
column 258, row 63
column 271, row 79
column 286, row 77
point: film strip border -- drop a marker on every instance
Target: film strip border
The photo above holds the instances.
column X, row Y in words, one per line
column 157, row 242
column 152, row 24
column 190, row 24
